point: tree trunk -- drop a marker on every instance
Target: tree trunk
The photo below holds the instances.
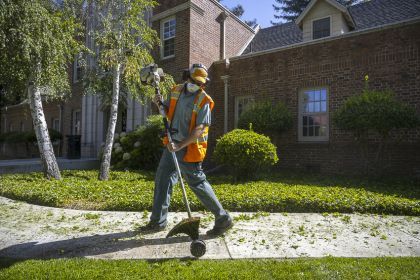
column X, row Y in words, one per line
column 46, row 151
column 106, row 156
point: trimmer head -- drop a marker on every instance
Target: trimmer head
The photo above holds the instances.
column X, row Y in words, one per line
column 188, row 226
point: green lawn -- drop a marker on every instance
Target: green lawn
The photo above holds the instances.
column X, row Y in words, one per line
column 323, row 268
column 133, row 191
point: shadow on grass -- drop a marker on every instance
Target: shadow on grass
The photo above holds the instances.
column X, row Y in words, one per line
column 89, row 246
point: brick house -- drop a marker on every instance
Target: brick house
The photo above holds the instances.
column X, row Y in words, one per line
column 312, row 65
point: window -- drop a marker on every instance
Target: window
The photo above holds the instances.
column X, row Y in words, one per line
column 321, row 28
column 313, row 115
column 76, row 123
column 241, row 103
column 168, row 28
column 22, row 126
column 78, row 68
column 56, row 124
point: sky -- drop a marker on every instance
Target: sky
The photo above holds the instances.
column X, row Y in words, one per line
column 262, row 10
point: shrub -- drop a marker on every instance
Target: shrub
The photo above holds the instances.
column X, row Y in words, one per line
column 245, row 152
column 27, row 137
column 374, row 112
column 141, row 148
column 266, row 118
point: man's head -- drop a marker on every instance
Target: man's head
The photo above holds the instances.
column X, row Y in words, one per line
column 198, row 74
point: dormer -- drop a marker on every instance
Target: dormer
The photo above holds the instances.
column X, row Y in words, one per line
column 324, row 18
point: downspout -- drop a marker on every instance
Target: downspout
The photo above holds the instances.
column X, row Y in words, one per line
column 226, row 105
column 222, row 19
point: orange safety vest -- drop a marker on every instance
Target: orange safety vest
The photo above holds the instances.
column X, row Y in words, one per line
column 195, row 151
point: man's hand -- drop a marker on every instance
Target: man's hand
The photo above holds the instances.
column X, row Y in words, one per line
column 197, row 132
column 174, row 147
column 157, row 99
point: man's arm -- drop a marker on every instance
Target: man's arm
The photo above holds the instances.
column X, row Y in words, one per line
column 195, row 134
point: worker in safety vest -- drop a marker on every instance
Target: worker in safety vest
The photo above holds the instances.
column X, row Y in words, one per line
column 189, row 115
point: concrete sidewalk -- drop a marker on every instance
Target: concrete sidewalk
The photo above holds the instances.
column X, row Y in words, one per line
column 29, row 231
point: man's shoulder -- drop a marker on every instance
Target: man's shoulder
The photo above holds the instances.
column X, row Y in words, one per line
column 177, row 88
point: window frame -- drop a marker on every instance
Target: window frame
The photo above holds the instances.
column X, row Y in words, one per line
column 76, row 127
column 162, row 31
column 53, row 124
column 321, row 18
column 301, row 114
column 237, row 100
column 76, row 67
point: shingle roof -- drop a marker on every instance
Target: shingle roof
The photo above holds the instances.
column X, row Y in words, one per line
column 378, row 12
column 365, row 15
column 275, row 36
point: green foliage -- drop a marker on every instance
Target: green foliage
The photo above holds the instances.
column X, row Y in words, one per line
column 375, row 110
column 37, row 41
column 256, row 269
column 288, row 192
column 266, row 118
column 142, row 147
column 117, row 34
column 27, row 137
column 245, row 152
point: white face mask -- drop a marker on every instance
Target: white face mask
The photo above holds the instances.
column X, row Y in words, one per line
column 192, row 87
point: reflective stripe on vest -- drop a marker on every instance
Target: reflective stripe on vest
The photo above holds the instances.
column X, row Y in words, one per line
column 195, row 151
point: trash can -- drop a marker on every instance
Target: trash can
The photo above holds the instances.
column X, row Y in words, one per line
column 73, row 146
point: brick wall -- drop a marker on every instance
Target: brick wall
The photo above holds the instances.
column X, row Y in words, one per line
column 391, row 59
column 21, row 114
column 198, row 36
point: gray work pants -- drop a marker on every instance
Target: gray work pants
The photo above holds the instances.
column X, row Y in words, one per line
column 167, row 177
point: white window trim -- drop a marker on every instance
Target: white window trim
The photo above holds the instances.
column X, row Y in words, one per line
column 302, row 138
column 162, row 24
column 73, row 125
column 312, row 27
column 75, row 77
column 237, row 100
column 59, row 124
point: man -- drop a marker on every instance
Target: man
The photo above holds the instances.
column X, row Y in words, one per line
column 189, row 115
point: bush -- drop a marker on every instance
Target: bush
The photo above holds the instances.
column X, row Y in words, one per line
column 266, row 118
column 245, row 152
column 375, row 110
column 141, row 148
column 27, row 137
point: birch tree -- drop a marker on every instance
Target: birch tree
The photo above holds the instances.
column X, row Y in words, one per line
column 37, row 43
column 123, row 41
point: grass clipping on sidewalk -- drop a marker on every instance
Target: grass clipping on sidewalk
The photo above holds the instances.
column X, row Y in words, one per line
column 133, row 191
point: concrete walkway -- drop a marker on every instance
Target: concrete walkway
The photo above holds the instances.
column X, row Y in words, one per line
column 29, row 231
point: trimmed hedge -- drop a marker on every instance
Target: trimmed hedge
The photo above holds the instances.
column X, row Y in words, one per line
column 131, row 191
column 245, row 153
column 27, row 137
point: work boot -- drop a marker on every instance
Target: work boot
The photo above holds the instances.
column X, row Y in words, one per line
column 221, row 229
column 153, row 227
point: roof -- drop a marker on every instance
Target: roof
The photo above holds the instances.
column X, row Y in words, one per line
column 365, row 15
column 379, row 12
column 274, row 37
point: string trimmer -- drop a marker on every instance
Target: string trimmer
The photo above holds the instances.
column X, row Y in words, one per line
column 151, row 75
